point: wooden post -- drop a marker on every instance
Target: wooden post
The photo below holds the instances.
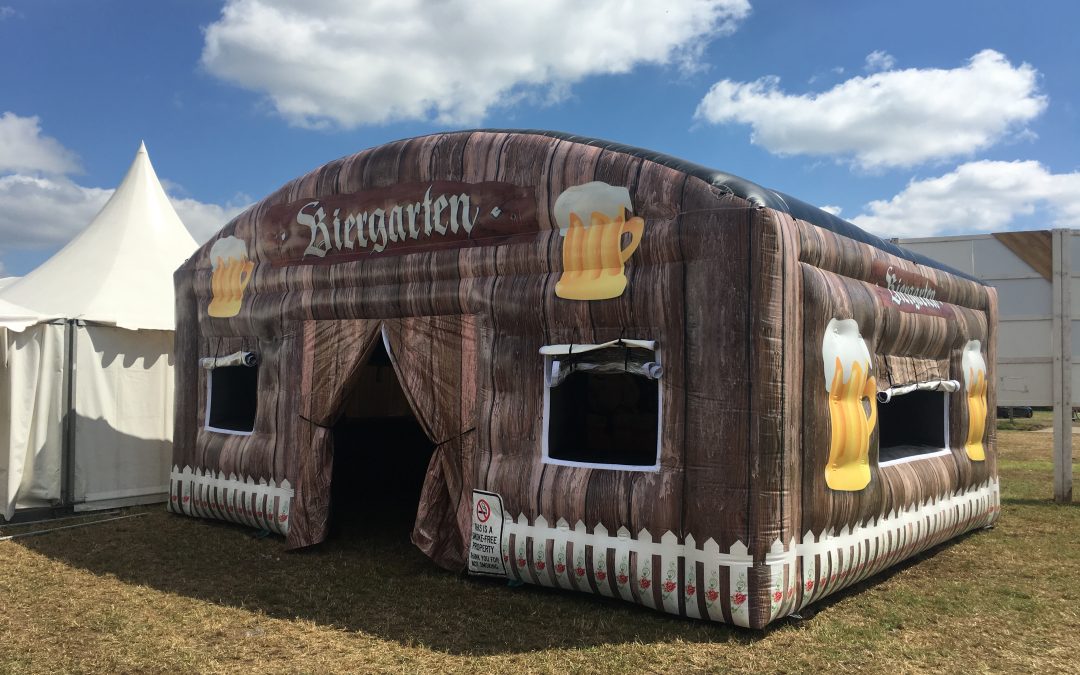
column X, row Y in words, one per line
column 1061, row 348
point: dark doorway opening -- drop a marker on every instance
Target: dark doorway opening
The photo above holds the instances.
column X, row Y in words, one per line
column 381, row 454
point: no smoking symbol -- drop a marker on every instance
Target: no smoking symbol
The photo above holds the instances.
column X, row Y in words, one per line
column 483, row 510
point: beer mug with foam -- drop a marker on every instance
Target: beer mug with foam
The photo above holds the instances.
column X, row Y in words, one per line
column 852, row 394
column 594, row 258
column 231, row 272
column 974, row 366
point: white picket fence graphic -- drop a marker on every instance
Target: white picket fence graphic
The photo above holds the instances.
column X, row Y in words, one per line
column 204, row 494
column 660, row 574
column 637, row 569
column 833, row 561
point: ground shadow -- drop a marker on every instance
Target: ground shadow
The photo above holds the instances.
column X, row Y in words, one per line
column 376, row 583
column 369, row 578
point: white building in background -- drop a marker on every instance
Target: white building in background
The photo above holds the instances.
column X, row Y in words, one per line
column 86, row 359
column 1037, row 277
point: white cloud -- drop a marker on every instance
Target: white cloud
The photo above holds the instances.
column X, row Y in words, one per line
column 23, row 148
column 41, row 207
column 38, row 212
column 829, row 208
column 879, row 60
column 984, row 196
column 7, row 12
column 204, row 220
column 351, row 63
column 894, row 118
column 837, row 70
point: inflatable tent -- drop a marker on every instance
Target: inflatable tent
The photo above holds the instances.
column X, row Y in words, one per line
column 86, row 378
column 638, row 377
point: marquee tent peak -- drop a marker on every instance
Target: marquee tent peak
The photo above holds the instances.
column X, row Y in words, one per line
column 118, row 270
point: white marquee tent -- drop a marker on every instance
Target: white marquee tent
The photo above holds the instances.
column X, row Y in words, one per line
column 86, row 359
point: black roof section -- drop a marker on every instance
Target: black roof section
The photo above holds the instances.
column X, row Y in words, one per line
column 753, row 193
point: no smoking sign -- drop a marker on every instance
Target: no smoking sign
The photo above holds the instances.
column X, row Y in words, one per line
column 486, row 543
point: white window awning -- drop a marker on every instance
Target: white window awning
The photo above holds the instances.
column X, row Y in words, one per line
column 608, row 357
column 930, row 385
column 560, row 350
column 249, row 359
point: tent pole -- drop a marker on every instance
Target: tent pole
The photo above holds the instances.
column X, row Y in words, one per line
column 67, row 461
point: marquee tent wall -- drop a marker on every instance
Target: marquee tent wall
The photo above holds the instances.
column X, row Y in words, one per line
column 86, row 373
column 642, row 378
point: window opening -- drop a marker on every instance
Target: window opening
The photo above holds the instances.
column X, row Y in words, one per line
column 602, row 405
column 913, row 421
column 232, row 384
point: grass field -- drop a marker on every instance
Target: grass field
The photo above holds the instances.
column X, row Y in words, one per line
column 162, row 592
column 1039, row 420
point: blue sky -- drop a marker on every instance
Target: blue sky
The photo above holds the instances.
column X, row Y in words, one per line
column 912, row 119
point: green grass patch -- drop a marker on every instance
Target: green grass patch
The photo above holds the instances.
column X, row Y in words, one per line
column 1039, row 420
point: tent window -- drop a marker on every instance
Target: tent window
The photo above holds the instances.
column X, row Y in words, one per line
column 232, row 399
column 913, row 426
column 602, row 405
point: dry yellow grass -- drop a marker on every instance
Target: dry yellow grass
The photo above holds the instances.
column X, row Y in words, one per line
column 167, row 593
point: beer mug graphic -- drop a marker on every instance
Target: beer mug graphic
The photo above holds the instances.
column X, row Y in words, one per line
column 852, row 405
column 974, row 367
column 231, row 274
column 592, row 219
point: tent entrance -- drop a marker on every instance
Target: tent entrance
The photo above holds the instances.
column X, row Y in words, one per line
column 381, row 455
column 365, row 386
